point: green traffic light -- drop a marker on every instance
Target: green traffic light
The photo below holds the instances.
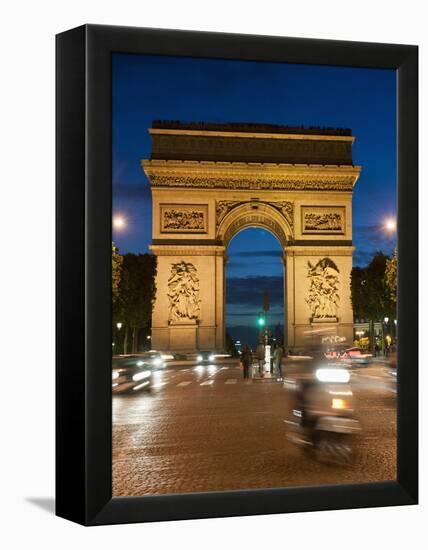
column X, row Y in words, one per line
column 261, row 322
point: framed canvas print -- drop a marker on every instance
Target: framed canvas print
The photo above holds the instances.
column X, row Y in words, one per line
column 236, row 275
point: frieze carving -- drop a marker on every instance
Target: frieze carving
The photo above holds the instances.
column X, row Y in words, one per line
column 223, row 207
column 183, row 219
column 323, row 219
column 285, row 207
column 183, row 292
column 323, row 298
column 287, row 210
column 284, row 183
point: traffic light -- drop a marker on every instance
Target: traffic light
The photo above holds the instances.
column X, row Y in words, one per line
column 261, row 320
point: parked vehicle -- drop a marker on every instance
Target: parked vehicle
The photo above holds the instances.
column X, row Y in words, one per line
column 320, row 409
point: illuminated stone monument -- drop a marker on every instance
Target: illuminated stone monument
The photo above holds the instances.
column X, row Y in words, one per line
column 211, row 181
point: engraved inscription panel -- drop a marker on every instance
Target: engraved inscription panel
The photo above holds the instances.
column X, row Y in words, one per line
column 189, row 218
column 323, row 220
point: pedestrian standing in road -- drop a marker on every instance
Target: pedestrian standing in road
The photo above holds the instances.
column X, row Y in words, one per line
column 277, row 361
column 246, row 358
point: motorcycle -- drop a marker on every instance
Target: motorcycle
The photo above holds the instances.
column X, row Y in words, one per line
column 320, row 414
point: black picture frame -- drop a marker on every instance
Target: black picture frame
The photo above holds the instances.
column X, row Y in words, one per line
column 83, row 260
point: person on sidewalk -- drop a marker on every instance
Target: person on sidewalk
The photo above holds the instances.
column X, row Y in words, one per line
column 260, row 354
column 277, row 361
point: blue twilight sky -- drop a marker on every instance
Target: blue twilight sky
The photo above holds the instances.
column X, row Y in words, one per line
column 145, row 88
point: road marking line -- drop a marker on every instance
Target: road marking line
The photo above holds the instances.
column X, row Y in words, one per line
column 185, row 383
column 159, row 385
column 207, row 383
column 231, row 381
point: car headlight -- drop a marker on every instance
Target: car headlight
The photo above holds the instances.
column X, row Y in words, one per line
column 141, row 375
column 114, row 375
column 211, row 358
column 333, row 375
column 199, row 358
column 157, row 362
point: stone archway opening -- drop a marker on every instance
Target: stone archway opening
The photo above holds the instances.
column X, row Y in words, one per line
column 254, row 266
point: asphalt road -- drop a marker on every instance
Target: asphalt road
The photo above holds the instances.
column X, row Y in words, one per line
column 206, row 429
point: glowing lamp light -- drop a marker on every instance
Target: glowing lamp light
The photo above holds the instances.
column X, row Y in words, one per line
column 261, row 322
column 119, row 222
column 390, row 225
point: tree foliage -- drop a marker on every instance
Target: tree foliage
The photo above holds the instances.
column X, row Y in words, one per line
column 370, row 294
column 116, row 271
column 391, row 277
column 137, row 289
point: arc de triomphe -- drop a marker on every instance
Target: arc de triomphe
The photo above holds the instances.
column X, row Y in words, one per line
column 209, row 182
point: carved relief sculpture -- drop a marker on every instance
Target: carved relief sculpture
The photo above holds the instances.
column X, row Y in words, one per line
column 205, row 180
column 285, row 207
column 183, row 219
column 183, row 292
column 287, row 210
column 323, row 220
column 223, row 207
column 326, row 222
column 323, row 299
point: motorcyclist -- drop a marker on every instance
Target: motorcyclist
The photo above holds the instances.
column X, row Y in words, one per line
column 303, row 367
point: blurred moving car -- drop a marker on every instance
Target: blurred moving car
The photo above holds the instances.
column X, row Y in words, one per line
column 205, row 357
column 335, row 353
column 154, row 358
column 357, row 356
column 131, row 373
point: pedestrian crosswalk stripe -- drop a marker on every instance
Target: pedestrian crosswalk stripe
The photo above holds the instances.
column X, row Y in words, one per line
column 231, row 381
column 207, row 383
column 185, row 383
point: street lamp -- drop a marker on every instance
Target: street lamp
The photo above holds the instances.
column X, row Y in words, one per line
column 119, row 222
column 390, row 225
column 119, row 326
column 386, row 319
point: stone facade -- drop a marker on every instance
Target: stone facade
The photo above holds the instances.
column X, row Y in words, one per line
column 200, row 205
